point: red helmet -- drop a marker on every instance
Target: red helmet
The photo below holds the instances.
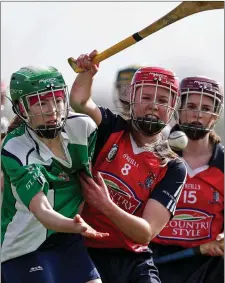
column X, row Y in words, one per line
column 160, row 78
column 203, row 86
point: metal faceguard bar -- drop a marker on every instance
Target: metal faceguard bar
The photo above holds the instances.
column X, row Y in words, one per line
column 156, row 85
column 217, row 105
column 40, row 93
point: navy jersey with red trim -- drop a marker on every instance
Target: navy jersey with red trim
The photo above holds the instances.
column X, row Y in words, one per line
column 199, row 217
column 132, row 175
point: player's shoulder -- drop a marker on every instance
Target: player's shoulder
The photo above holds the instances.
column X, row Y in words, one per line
column 220, row 149
column 176, row 166
column 80, row 122
column 107, row 113
column 16, row 145
column 217, row 159
column 14, row 137
column 112, row 120
column 79, row 127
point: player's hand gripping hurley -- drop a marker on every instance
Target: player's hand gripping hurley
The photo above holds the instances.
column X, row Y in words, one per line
column 184, row 10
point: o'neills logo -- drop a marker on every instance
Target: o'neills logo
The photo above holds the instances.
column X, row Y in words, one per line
column 188, row 224
column 112, row 153
column 204, row 85
column 121, row 194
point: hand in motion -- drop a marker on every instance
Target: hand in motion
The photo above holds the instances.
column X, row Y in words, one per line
column 86, row 230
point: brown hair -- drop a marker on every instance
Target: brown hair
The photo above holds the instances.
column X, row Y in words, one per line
column 162, row 150
column 15, row 123
column 214, row 138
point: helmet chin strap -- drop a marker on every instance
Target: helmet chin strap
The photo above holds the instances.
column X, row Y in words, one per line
column 149, row 126
column 193, row 132
column 47, row 132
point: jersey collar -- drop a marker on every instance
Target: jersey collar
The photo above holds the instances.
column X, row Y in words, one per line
column 41, row 148
column 217, row 158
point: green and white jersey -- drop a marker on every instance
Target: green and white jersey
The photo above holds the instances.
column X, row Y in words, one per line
column 30, row 167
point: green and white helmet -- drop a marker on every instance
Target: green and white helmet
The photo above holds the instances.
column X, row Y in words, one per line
column 123, row 82
column 34, row 82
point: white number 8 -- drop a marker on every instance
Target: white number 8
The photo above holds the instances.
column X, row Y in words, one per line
column 125, row 169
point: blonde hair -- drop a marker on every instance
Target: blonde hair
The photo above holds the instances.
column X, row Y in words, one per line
column 162, row 150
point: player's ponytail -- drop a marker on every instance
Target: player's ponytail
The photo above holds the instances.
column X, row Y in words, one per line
column 214, row 138
column 163, row 151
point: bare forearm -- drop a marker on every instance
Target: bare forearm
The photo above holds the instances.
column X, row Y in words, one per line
column 53, row 220
column 136, row 228
column 81, row 91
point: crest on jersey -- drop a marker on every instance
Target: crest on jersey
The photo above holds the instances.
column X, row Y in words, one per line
column 64, row 176
column 31, row 169
column 112, row 153
column 216, row 197
column 149, row 181
column 121, row 193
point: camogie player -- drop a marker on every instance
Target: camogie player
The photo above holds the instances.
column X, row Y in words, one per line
column 122, row 102
column 123, row 81
column 137, row 178
column 41, row 228
column 199, row 218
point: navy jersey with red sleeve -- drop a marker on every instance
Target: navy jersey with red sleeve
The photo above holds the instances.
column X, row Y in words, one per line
column 199, row 216
column 132, row 175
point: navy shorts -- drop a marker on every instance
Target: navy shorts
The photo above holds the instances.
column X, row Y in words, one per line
column 123, row 266
column 63, row 258
column 197, row 269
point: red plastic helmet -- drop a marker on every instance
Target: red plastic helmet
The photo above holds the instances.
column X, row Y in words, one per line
column 160, row 78
column 157, row 76
column 203, row 86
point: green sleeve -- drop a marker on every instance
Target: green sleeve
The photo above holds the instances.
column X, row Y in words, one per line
column 91, row 148
column 27, row 180
column 91, row 144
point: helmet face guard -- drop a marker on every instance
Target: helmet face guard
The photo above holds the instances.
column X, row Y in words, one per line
column 44, row 130
column 31, row 89
column 208, row 104
column 157, row 81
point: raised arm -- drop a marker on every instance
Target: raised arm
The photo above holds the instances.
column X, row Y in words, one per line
column 80, row 96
